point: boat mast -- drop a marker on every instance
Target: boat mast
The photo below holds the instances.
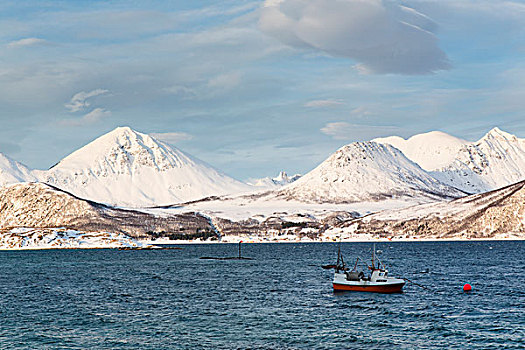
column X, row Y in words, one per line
column 373, row 256
column 338, row 254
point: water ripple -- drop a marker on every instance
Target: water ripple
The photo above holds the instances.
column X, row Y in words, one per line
column 108, row 299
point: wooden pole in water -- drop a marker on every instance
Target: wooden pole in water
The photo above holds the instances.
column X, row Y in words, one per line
column 240, row 249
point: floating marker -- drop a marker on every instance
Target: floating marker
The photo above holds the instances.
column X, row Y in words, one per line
column 467, row 287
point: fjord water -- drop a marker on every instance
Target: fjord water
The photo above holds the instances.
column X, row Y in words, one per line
column 169, row 299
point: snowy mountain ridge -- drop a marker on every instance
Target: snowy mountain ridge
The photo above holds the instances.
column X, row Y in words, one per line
column 128, row 168
column 494, row 161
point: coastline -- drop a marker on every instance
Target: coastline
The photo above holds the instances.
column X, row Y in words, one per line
column 189, row 242
column 126, row 243
column 382, row 240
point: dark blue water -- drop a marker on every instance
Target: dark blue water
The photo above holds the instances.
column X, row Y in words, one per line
column 108, row 299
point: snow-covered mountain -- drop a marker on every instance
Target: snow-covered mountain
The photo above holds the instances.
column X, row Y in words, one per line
column 281, row 180
column 496, row 160
column 12, row 171
column 367, row 171
column 127, row 168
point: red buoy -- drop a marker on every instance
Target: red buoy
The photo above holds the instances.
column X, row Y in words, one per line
column 467, row 287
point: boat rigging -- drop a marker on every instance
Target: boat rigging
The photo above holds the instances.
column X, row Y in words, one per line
column 377, row 281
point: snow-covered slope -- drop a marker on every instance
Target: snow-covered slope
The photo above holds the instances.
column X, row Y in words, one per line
column 431, row 151
column 367, row 171
column 281, row 180
column 128, row 168
column 12, row 171
column 39, row 206
column 495, row 214
column 496, row 160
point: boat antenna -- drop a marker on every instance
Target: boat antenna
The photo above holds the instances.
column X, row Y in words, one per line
column 355, row 266
column 380, row 263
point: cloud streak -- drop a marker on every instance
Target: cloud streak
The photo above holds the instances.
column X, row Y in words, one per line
column 323, row 103
column 226, row 81
column 382, row 36
column 89, row 118
column 172, row 137
column 26, row 42
column 356, row 132
column 79, row 101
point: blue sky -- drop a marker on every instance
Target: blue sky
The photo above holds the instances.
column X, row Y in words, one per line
column 254, row 87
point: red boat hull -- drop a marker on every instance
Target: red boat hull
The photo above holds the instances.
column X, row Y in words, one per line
column 389, row 288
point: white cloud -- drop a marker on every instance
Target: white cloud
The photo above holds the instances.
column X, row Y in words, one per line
column 180, row 90
column 381, row 35
column 360, row 112
column 26, row 42
column 89, row 118
column 172, row 137
column 323, row 103
column 79, row 100
column 225, row 81
column 356, row 132
column 95, row 115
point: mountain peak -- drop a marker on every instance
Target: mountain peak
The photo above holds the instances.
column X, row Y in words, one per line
column 281, row 180
column 12, row 171
column 498, row 134
column 283, row 176
column 122, row 150
column 124, row 128
column 431, row 150
column 127, row 132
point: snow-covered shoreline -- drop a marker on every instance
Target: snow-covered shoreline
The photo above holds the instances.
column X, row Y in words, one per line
column 25, row 238
column 351, row 240
column 150, row 244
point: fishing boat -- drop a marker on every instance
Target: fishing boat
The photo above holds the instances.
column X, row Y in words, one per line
column 377, row 281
